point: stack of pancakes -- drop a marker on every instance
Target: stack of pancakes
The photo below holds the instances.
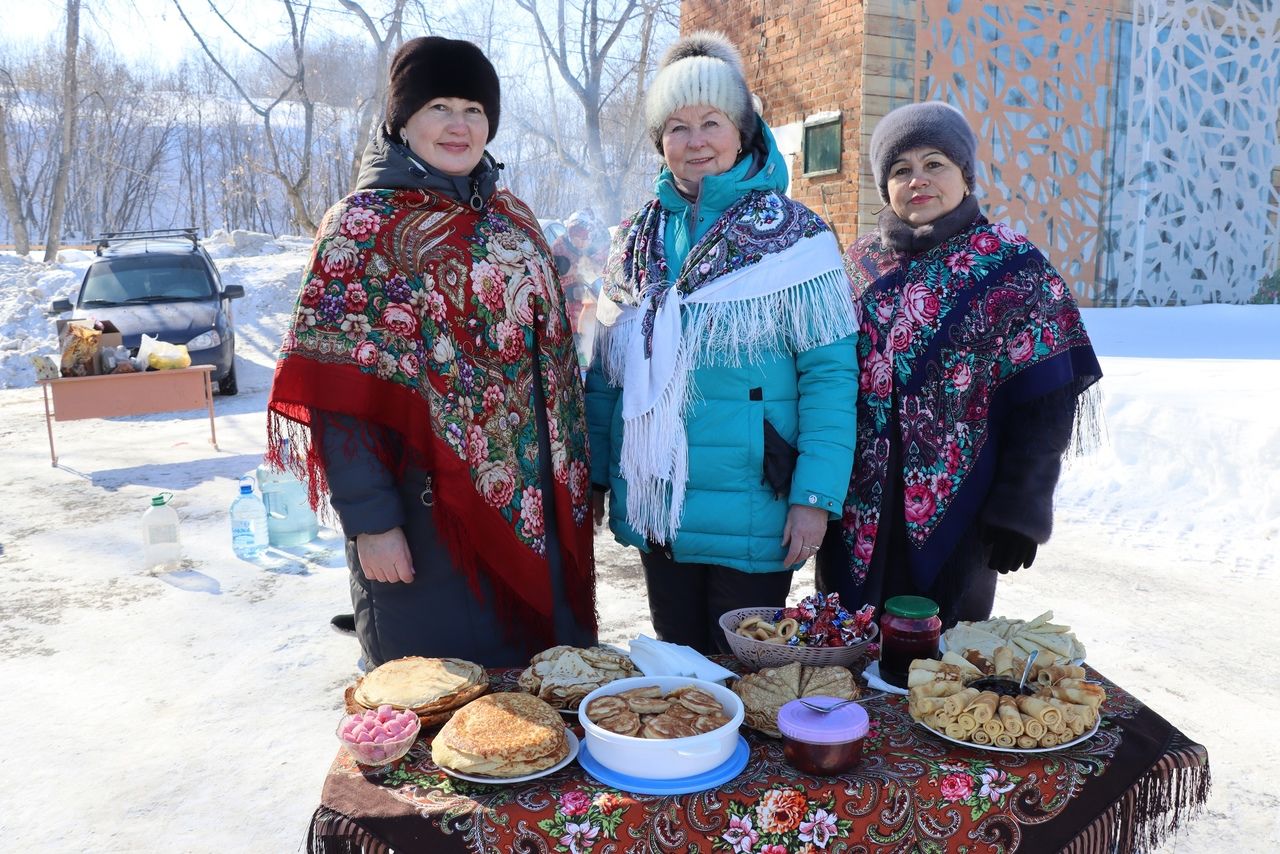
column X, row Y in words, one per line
column 501, row 735
column 563, row 675
column 432, row 688
column 764, row 693
column 649, row 713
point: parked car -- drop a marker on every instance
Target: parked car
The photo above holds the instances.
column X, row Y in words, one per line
column 164, row 284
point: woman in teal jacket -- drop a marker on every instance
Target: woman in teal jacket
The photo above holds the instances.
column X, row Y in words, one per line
column 721, row 401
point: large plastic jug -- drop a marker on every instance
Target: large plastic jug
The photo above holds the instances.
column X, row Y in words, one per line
column 161, row 546
column 290, row 519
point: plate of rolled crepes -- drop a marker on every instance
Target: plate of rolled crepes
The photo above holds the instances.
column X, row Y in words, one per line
column 971, row 700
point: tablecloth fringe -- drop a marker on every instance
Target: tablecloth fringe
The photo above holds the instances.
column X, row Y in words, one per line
column 1150, row 811
column 331, row 832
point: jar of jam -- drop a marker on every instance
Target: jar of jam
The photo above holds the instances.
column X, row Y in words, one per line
column 822, row 743
column 909, row 629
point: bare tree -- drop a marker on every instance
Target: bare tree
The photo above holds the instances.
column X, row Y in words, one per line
column 600, row 51
column 293, row 173
column 70, row 95
column 393, row 27
column 8, row 190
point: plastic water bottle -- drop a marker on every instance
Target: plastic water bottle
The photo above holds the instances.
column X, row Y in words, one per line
column 290, row 519
column 161, row 547
column 248, row 522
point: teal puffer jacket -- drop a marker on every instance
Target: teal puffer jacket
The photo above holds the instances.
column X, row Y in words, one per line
column 731, row 516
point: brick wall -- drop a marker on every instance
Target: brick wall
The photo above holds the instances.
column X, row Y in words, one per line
column 797, row 76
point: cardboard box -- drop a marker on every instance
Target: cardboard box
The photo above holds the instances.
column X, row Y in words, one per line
column 109, row 339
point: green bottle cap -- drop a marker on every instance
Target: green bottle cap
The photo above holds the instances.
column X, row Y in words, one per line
column 911, row 607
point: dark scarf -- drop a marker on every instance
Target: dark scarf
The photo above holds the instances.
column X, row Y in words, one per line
column 389, row 165
column 908, row 239
column 430, row 323
column 952, row 337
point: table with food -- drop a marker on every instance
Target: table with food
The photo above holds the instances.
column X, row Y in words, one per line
column 825, row 731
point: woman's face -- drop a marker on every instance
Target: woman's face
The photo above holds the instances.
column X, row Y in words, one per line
column 924, row 184
column 698, row 141
column 448, row 133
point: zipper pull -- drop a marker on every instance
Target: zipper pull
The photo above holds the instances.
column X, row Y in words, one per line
column 427, row 496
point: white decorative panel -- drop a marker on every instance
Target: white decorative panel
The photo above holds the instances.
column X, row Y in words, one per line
column 1196, row 212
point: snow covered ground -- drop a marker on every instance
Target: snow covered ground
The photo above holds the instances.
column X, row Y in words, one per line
column 195, row 711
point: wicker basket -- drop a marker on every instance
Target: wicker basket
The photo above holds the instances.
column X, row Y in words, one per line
column 756, row 654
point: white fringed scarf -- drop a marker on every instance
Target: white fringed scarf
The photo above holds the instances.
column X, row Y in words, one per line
column 792, row 298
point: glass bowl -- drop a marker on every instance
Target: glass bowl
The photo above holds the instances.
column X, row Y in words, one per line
column 378, row 736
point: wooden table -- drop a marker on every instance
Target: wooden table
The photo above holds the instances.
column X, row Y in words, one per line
column 1121, row 791
column 139, row 393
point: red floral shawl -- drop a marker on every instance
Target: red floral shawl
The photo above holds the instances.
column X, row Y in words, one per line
column 428, row 319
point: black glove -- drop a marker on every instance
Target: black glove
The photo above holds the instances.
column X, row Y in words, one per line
column 1010, row 550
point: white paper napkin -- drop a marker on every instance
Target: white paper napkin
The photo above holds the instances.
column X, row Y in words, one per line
column 659, row 658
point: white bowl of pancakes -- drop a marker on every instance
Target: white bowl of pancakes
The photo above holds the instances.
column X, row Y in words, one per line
column 661, row 727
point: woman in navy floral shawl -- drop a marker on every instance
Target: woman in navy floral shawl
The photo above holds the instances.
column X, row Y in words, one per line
column 973, row 357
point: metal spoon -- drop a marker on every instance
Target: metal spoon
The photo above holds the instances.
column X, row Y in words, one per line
column 824, row 709
column 1027, row 670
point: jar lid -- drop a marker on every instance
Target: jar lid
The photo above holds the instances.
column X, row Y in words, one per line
column 911, row 607
column 798, row 721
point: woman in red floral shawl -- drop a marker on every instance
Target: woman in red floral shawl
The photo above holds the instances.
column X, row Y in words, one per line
column 430, row 380
column 972, row 358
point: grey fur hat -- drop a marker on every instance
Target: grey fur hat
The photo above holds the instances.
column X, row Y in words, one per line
column 702, row 68
column 932, row 123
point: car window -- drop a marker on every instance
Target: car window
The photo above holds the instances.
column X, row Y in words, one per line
column 146, row 278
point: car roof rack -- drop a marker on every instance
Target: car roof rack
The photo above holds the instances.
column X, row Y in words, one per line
column 114, row 238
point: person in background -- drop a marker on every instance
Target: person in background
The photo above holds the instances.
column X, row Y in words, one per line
column 430, row 381
column 721, row 397
column 580, row 259
column 972, row 358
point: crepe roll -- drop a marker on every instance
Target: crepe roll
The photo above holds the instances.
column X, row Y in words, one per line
column 956, row 731
column 1033, row 727
column 967, row 721
column 1092, row 699
column 1026, row 742
column 1002, row 660
column 939, row 720
column 1077, row 725
column 992, row 727
column 928, row 705
column 980, row 736
column 1050, row 739
column 959, row 701
column 1004, row 739
column 984, row 706
column 1010, row 719
column 1055, row 673
column 935, row 689
column 963, row 664
column 1040, row 708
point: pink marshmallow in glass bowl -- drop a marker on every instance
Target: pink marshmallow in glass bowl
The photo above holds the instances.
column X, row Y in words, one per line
column 378, row 736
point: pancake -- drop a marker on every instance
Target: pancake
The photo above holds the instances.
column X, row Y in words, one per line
column 424, row 685
column 501, row 735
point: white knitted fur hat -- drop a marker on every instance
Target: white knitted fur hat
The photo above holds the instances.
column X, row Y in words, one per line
column 701, row 68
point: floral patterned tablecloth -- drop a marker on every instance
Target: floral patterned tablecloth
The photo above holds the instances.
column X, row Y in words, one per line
column 1123, row 789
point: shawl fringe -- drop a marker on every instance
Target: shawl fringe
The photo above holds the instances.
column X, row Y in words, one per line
column 654, row 458
column 1089, row 432
column 1148, row 813
column 330, row 826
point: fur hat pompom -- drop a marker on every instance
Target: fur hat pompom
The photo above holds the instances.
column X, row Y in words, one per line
column 933, row 123
column 434, row 67
column 702, row 68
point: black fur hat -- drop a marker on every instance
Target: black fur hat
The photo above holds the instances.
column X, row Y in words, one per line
column 433, row 67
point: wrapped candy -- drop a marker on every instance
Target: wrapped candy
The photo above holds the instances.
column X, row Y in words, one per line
column 824, row 622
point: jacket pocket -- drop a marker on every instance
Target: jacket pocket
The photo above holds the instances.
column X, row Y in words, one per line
column 779, row 461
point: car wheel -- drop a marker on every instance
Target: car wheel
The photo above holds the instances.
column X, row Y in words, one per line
column 227, row 385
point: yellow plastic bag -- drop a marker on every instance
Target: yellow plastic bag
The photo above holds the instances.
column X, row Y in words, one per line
column 163, row 356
